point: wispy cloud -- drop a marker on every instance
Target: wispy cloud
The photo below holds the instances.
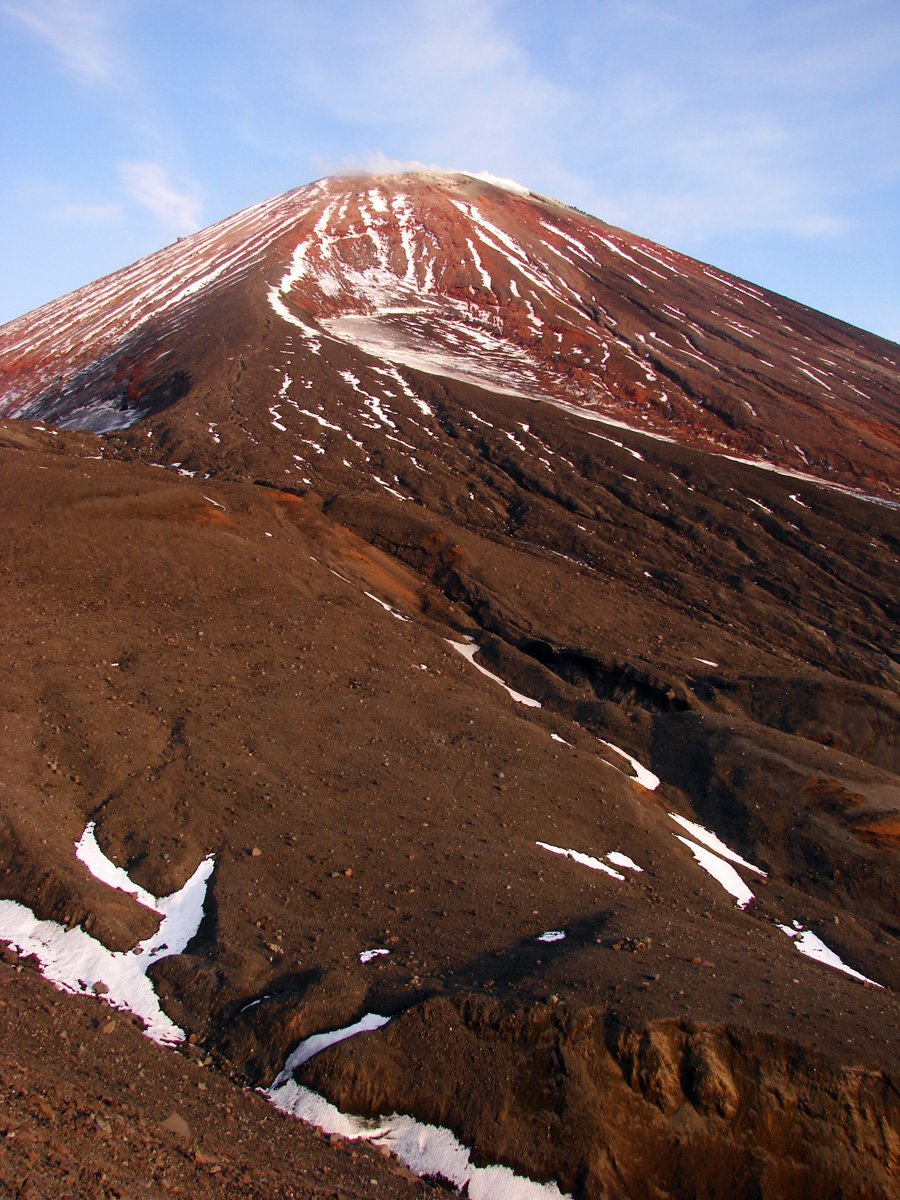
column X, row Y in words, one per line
column 78, row 32
column 718, row 173
column 426, row 78
column 148, row 184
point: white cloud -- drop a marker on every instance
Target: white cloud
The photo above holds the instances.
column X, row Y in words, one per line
column 684, row 171
column 377, row 163
column 77, row 31
column 149, row 185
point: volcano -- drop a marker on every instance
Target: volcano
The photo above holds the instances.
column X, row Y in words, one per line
column 451, row 679
column 462, row 280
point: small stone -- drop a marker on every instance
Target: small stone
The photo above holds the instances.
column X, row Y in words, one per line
column 256, row 852
column 100, row 988
column 632, row 945
column 175, row 1123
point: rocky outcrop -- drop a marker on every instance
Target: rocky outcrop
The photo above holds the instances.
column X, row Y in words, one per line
column 614, row 1110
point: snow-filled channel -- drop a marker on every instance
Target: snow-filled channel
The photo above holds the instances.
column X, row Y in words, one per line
column 643, row 776
column 321, row 1041
column 468, row 650
column 723, row 872
column 76, row 962
column 429, row 1150
column 586, row 860
column 813, row 947
column 707, row 838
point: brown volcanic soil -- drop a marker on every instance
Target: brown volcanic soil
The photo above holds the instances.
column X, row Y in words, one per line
column 196, row 666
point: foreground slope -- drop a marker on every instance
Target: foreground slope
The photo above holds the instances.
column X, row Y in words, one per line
column 268, row 653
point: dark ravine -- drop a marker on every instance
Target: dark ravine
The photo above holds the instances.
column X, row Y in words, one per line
column 227, row 630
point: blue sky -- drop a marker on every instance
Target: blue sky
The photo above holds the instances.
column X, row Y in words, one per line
column 763, row 137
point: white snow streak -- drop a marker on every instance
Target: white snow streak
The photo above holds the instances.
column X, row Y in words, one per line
column 622, row 860
column 644, row 777
column 813, row 947
column 321, row 1041
column 468, row 650
column 428, row 1150
column 387, row 608
column 707, row 838
column 585, row 860
column 721, row 871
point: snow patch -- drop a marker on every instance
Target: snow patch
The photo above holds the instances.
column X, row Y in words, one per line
column 367, row 955
column 428, row 1150
column 622, row 860
column 586, row 860
column 708, row 838
column 813, row 947
column 75, row 962
column 321, row 1041
column 387, row 607
column 468, row 650
column 721, row 871
column 642, row 775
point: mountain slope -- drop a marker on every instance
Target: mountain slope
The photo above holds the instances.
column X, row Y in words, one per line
column 432, row 658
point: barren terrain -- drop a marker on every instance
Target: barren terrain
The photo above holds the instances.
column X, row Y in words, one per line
column 438, row 670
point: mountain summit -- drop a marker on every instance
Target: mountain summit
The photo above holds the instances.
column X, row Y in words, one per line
column 450, row 679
